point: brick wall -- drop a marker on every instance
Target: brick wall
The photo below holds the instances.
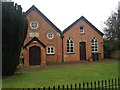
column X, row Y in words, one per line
column 74, row 33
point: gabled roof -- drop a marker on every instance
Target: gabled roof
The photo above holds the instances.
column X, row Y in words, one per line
column 34, row 39
column 82, row 18
column 33, row 8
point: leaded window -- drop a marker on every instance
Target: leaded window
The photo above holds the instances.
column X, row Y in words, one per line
column 50, row 50
column 69, row 46
column 94, row 45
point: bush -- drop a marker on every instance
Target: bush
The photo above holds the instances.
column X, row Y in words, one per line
column 14, row 30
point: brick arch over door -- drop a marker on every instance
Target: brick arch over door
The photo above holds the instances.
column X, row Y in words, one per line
column 34, row 55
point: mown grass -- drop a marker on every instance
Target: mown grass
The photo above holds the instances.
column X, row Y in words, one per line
column 64, row 74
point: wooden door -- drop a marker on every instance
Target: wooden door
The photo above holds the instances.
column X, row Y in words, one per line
column 82, row 51
column 34, row 55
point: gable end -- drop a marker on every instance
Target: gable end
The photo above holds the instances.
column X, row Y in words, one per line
column 33, row 8
column 82, row 18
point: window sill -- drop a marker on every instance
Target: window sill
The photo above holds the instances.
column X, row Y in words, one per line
column 82, row 33
column 50, row 53
column 70, row 52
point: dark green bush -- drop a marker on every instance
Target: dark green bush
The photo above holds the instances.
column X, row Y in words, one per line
column 14, row 30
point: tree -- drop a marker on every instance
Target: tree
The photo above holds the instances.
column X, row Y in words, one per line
column 112, row 33
column 14, row 30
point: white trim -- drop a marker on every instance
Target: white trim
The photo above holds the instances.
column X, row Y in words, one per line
column 34, row 23
column 83, row 30
column 94, row 45
column 70, row 45
column 52, row 35
column 50, row 51
column 34, row 34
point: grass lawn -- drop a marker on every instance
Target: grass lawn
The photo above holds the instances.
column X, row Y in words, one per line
column 62, row 74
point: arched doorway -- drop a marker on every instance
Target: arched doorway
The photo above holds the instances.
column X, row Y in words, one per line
column 34, row 55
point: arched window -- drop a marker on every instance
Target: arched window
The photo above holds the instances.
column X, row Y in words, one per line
column 94, row 45
column 69, row 46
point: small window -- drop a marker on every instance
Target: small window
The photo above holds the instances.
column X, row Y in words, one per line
column 81, row 30
column 50, row 50
column 34, row 25
column 50, row 35
column 69, row 46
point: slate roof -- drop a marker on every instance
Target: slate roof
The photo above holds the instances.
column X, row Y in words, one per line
column 82, row 18
column 33, row 8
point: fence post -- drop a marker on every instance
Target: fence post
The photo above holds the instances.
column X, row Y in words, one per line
column 109, row 84
column 38, row 88
column 118, row 84
column 67, row 87
column 98, row 85
column 71, row 86
column 43, row 88
column 75, row 86
column 87, row 86
column 53, row 87
column 112, row 84
column 58, row 87
column 102, row 85
column 115, row 84
column 83, row 86
column 79, row 86
column 94, row 85
column 91, row 85
column 48, row 88
column 105, row 84
column 63, row 87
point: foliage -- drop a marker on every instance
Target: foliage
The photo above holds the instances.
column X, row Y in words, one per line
column 14, row 30
column 112, row 33
column 64, row 74
column 109, row 46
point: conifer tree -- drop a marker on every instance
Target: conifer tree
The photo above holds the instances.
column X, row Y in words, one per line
column 14, row 30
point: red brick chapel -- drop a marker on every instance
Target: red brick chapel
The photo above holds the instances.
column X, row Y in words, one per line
column 45, row 43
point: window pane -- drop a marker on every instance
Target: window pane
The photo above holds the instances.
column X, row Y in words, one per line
column 81, row 28
column 50, row 35
column 48, row 51
column 67, row 47
column 67, row 44
column 68, row 41
column 67, row 50
column 71, row 41
column 95, row 46
column 71, row 50
column 52, row 51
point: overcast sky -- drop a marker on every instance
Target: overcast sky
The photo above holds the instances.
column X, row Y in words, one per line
column 64, row 12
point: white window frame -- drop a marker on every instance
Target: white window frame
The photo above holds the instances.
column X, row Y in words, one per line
column 35, row 25
column 49, row 50
column 50, row 35
column 94, row 45
column 69, row 45
column 83, row 31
